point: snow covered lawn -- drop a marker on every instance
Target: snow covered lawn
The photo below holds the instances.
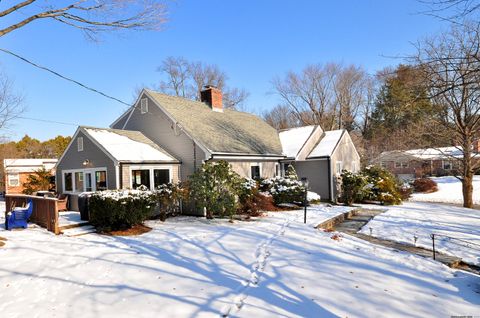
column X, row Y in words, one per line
column 401, row 223
column 190, row 267
column 449, row 191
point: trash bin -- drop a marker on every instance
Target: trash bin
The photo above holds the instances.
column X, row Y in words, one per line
column 83, row 205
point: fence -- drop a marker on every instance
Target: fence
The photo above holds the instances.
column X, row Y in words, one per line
column 454, row 240
column 45, row 210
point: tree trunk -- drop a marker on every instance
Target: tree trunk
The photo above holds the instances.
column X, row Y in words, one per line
column 467, row 189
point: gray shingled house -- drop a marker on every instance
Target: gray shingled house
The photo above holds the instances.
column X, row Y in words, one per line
column 162, row 138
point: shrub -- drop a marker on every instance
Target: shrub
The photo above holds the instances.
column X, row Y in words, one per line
column 405, row 191
column 250, row 198
column 425, row 185
column 381, row 186
column 353, row 187
column 291, row 173
column 215, row 186
column 114, row 210
column 39, row 181
column 285, row 190
column 169, row 197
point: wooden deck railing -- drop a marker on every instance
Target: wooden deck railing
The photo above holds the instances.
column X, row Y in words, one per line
column 45, row 210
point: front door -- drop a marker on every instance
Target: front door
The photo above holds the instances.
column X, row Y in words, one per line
column 88, row 182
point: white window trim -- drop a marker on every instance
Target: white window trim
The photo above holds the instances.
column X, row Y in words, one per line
column 90, row 170
column 13, row 176
column 151, row 168
column 259, row 164
column 450, row 162
column 80, row 144
column 144, row 105
column 339, row 171
column 278, row 171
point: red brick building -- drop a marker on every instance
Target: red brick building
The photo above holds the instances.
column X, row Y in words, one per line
column 416, row 163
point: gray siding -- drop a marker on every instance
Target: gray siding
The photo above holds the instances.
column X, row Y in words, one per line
column 158, row 127
column 347, row 154
column 317, row 173
column 243, row 168
column 73, row 159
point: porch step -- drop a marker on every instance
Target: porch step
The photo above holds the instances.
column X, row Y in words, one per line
column 80, row 230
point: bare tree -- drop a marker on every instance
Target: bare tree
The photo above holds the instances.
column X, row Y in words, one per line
column 451, row 62
column 187, row 79
column 329, row 95
column 11, row 103
column 281, row 117
column 452, row 10
column 89, row 16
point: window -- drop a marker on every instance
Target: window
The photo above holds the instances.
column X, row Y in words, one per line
column 140, row 177
column 161, row 176
column 447, row 165
column 401, row 164
column 277, row 170
column 144, row 106
column 354, row 167
column 339, row 167
column 100, row 180
column 80, row 143
column 13, row 180
column 255, row 172
column 79, row 181
column 68, row 180
column 383, row 164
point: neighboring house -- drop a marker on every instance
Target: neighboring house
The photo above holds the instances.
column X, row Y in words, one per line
column 320, row 156
column 416, row 163
column 187, row 133
column 17, row 171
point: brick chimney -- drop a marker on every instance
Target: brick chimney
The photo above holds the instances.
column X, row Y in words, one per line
column 213, row 97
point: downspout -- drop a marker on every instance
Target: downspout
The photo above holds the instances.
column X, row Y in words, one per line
column 120, row 177
column 330, row 179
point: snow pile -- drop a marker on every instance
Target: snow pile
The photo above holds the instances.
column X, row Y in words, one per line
column 449, row 191
column 192, row 267
column 402, row 223
column 313, row 196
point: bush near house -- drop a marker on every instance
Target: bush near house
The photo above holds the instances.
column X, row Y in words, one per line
column 425, row 185
column 216, row 187
column 114, row 210
column 372, row 183
column 41, row 180
column 169, row 197
column 284, row 190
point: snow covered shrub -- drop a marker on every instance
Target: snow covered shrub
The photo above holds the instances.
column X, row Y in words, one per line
column 215, row 186
column 425, row 185
column 284, row 190
column 291, row 173
column 113, row 210
column 169, row 197
column 353, row 187
column 381, row 186
column 250, row 198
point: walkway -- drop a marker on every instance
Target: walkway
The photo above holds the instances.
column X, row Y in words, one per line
column 353, row 222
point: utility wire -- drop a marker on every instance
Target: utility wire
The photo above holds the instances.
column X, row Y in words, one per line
column 47, row 121
column 63, row 77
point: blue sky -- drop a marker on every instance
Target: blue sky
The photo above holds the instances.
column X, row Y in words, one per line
column 252, row 41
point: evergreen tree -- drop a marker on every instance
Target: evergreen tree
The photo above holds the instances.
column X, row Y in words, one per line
column 291, row 173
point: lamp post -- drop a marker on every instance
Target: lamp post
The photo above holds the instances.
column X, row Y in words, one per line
column 305, row 200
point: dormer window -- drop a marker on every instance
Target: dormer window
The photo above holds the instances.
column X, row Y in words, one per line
column 80, row 143
column 144, row 106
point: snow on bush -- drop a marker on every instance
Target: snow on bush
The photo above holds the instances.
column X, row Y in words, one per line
column 284, row 190
column 120, row 209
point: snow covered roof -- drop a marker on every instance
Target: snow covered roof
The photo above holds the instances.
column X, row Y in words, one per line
column 327, row 144
column 128, row 145
column 425, row 154
column 293, row 139
column 28, row 165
